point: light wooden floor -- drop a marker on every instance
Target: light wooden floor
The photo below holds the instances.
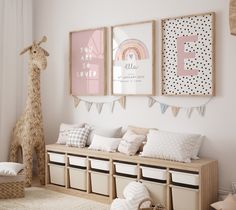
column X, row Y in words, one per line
column 36, row 182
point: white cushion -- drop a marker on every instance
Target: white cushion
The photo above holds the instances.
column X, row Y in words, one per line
column 107, row 132
column 170, row 145
column 131, row 143
column 103, row 143
column 10, row 168
column 78, row 137
column 134, row 194
column 64, row 132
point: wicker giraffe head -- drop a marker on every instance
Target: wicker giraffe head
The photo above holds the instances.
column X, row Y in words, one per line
column 37, row 54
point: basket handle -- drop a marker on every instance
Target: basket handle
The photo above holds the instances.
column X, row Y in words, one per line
column 143, row 201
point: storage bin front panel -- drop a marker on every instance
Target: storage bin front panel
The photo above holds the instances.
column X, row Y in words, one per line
column 124, row 168
column 185, row 178
column 56, row 158
column 100, row 164
column 157, row 191
column 57, row 174
column 78, row 179
column 77, row 161
column 121, row 183
column 185, row 199
column 153, row 173
column 100, row 183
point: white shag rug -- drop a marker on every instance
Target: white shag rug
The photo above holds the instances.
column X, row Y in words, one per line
column 42, row 199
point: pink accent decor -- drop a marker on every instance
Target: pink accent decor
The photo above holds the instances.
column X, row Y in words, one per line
column 87, row 62
column 181, row 55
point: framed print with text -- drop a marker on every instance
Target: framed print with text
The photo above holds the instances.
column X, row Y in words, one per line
column 188, row 55
column 133, row 59
column 88, row 62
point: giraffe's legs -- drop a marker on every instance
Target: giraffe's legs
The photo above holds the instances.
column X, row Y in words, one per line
column 28, row 162
column 13, row 154
column 40, row 153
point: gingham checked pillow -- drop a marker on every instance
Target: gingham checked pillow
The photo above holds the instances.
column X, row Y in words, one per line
column 78, row 137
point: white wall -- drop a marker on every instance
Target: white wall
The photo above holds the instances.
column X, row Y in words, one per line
column 55, row 18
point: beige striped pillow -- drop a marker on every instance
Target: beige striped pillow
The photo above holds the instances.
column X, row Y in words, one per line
column 131, row 143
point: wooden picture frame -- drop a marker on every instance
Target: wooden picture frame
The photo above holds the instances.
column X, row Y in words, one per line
column 133, row 58
column 88, row 62
column 188, row 55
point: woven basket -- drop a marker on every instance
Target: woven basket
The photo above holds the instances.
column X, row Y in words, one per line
column 152, row 206
column 12, row 187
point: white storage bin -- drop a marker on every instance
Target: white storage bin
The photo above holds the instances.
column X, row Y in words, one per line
column 100, row 183
column 78, row 178
column 56, row 158
column 124, row 168
column 77, row 161
column 157, row 191
column 154, row 173
column 185, row 198
column 185, row 178
column 121, row 183
column 57, row 174
column 100, row 164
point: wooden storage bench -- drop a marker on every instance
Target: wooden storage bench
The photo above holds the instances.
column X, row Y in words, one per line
column 168, row 176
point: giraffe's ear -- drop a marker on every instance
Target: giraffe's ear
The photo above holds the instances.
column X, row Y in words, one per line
column 45, row 52
column 25, row 50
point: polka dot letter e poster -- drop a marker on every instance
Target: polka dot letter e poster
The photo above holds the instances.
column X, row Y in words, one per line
column 188, row 55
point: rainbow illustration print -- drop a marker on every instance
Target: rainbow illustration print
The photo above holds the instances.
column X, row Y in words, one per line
column 131, row 49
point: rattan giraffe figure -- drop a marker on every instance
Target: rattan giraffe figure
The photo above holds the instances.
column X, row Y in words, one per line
column 28, row 131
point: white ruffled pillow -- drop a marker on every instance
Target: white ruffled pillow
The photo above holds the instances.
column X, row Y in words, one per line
column 10, row 168
column 131, row 143
column 103, row 143
column 171, row 146
column 64, row 132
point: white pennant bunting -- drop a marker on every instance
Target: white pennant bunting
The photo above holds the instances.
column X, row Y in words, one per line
column 99, row 107
column 112, row 105
column 163, row 107
column 175, row 110
column 122, row 101
column 189, row 111
column 201, row 110
column 151, row 102
column 76, row 101
column 88, row 105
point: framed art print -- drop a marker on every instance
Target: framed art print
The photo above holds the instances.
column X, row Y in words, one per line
column 133, row 59
column 188, row 55
column 88, row 62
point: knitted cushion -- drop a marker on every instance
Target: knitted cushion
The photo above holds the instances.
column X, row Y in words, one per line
column 134, row 193
column 78, row 137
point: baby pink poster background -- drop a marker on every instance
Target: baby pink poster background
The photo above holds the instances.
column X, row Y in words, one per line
column 87, row 62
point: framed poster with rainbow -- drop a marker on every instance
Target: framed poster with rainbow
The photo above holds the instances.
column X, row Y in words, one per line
column 133, row 59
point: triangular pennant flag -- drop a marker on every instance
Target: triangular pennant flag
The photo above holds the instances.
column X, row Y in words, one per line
column 88, row 105
column 99, row 107
column 164, row 107
column 122, row 101
column 189, row 111
column 175, row 110
column 151, row 102
column 201, row 110
column 112, row 105
column 76, row 101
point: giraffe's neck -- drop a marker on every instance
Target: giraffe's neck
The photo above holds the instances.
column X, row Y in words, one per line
column 33, row 103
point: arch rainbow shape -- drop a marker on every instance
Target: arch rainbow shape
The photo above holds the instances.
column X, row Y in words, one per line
column 131, row 49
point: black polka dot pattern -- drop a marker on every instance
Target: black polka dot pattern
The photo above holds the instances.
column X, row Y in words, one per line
column 202, row 83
